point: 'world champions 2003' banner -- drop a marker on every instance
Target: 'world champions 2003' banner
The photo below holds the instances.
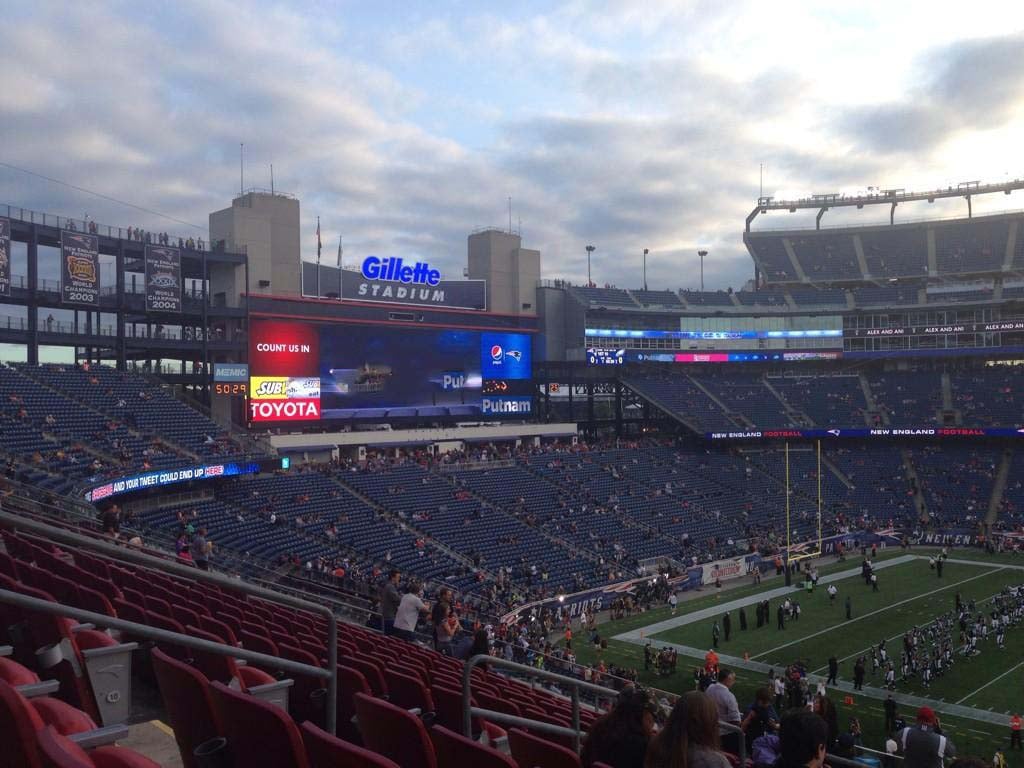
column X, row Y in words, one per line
column 5, row 257
column 80, row 268
column 163, row 279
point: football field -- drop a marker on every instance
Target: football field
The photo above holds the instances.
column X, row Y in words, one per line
column 974, row 697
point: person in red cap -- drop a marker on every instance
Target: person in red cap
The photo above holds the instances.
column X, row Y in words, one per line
column 1015, row 730
column 923, row 745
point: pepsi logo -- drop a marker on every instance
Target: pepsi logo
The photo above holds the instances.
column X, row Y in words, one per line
column 497, row 353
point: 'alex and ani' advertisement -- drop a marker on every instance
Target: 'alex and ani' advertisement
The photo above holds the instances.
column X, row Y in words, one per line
column 163, row 279
column 5, row 257
column 80, row 268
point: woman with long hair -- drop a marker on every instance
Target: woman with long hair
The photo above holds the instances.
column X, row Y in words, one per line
column 690, row 737
column 620, row 738
column 824, row 707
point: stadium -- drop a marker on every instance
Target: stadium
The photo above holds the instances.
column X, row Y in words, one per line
column 216, row 456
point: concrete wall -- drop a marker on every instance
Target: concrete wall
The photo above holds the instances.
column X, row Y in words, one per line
column 267, row 226
column 510, row 270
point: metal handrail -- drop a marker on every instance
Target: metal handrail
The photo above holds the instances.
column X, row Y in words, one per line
column 469, row 712
column 877, row 752
column 162, row 635
column 126, row 553
column 575, row 685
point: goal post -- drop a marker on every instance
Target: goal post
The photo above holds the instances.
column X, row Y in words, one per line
column 814, row 547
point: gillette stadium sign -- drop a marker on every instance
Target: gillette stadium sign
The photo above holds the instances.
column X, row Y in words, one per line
column 394, row 280
column 396, row 270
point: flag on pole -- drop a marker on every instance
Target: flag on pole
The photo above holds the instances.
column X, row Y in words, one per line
column 319, row 245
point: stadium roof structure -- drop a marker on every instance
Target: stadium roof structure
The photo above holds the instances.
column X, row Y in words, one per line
column 891, row 197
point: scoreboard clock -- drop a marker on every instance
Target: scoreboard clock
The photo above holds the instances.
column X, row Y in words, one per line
column 230, row 389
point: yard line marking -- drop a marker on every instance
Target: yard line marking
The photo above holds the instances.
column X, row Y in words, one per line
column 986, row 685
column 875, row 613
column 894, row 637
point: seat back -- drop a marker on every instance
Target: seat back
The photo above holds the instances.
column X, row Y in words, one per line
column 212, row 666
column 448, row 709
column 350, row 682
column 394, row 733
column 260, row 735
column 454, row 751
column 371, row 672
column 531, row 751
column 218, row 628
column 408, row 692
column 19, row 723
column 326, row 750
column 307, row 697
column 58, row 751
column 187, row 700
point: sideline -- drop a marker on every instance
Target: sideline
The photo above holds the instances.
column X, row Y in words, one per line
column 743, row 602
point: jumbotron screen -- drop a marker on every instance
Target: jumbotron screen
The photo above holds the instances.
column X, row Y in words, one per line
column 308, row 372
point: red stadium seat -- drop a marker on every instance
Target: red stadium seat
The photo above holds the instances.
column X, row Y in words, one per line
column 65, row 649
column 326, row 750
column 394, row 733
column 21, row 720
column 13, row 673
column 455, row 751
column 258, row 643
column 186, row 694
column 218, row 628
column 448, row 712
column 308, row 693
column 350, row 682
column 532, row 751
column 223, row 669
column 368, row 667
column 408, row 692
column 259, row 735
column 59, row 751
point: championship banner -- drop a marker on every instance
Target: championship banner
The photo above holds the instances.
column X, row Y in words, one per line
column 730, row 568
column 5, row 257
column 80, row 268
column 163, row 279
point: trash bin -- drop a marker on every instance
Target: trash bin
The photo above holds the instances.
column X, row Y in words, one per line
column 213, row 753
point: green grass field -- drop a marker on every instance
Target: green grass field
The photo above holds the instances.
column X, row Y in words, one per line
column 909, row 594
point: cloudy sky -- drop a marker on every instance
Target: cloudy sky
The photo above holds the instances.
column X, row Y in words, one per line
column 628, row 125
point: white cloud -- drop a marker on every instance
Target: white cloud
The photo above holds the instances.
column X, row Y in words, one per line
column 625, row 125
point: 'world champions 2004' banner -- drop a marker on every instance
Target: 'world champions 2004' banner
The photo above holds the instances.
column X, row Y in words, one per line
column 163, row 279
column 80, row 268
column 5, row 257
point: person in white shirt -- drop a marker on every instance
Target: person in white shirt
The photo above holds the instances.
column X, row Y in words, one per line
column 779, row 689
column 673, row 601
column 728, row 708
column 832, row 592
column 408, row 613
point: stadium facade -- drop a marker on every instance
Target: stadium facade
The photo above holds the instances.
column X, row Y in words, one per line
column 413, row 347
